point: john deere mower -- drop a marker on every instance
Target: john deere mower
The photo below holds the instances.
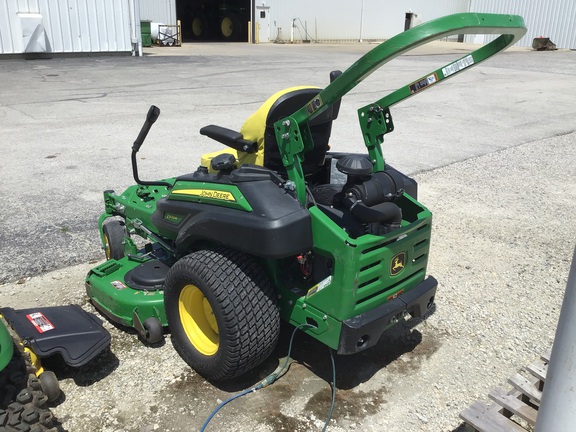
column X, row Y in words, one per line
column 261, row 231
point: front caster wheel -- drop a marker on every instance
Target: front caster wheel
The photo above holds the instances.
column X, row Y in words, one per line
column 114, row 232
column 222, row 312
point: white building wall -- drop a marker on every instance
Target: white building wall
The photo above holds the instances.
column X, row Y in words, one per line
column 555, row 19
column 328, row 20
column 160, row 11
column 65, row 26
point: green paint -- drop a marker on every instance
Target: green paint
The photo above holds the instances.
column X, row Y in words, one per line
column 6, row 346
column 288, row 130
column 116, row 300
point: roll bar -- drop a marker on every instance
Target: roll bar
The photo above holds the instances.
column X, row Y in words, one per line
column 293, row 132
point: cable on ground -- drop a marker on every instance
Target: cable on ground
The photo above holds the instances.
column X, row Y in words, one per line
column 277, row 374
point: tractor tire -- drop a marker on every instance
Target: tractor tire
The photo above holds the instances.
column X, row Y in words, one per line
column 199, row 27
column 230, row 28
column 114, row 232
column 23, row 403
column 222, row 312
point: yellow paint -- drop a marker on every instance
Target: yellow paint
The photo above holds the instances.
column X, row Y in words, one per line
column 107, row 247
column 207, row 193
column 198, row 320
column 35, row 361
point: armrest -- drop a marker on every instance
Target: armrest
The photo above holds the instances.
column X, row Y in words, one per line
column 230, row 138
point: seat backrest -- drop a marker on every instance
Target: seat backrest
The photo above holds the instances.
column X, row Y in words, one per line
column 281, row 105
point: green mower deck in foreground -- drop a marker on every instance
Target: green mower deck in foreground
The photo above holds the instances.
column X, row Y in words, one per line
column 261, row 232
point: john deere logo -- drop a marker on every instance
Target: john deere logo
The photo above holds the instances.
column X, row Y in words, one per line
column 397, row 264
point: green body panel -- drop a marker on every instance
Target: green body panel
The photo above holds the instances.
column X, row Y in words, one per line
column 118, row 301
column 362, row 278
column 6, row 346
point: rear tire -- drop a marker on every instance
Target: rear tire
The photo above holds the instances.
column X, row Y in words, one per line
column 114, row 232
column 222, row 312
column 230, row 27
column 199, row 27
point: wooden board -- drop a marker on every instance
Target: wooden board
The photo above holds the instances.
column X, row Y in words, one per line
column 521, row 403
column 484, row 419
column 514, row 405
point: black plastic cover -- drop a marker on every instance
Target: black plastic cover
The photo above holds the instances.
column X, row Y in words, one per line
column 229, row 137
column 355, row 165
column 70, row 331
column 148, row 276
column 364, row 330
column 277, row 227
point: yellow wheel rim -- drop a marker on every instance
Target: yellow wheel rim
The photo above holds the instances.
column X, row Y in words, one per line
column 197, row 27
column 227, row 26
column 198, row 320
column 106, row 247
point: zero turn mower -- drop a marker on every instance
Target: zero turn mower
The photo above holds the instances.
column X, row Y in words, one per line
column 261, row 232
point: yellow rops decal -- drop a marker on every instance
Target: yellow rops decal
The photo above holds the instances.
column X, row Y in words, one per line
column 397, row 264
column 207, row 193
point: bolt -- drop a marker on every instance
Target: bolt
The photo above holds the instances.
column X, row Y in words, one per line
column 303, row 305
column 285, row 136
column 325, row 317
column 286, row 123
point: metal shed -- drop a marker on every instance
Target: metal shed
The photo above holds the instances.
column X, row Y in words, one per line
column 63, row 26
column 348, row 21
column 554, row 19
column 113, row 26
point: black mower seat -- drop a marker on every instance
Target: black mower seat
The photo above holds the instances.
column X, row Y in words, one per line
column 259, row 129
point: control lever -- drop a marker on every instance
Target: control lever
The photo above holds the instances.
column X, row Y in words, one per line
column 151, row 117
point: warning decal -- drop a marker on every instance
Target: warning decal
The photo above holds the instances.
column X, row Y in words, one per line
column 458, row 65
column 421, row 84
column 39, row 321
column 118, row 285
column 319, row 287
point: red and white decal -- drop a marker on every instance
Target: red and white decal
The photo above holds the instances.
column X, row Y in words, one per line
column 39, row 321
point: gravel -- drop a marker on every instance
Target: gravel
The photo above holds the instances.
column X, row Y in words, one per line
column 502, row 244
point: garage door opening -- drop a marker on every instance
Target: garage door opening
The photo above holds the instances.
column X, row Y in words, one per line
column 214, row 20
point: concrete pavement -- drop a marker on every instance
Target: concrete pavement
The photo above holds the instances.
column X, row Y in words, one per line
column 67, row 124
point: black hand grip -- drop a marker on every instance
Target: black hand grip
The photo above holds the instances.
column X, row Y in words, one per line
column 151, row 117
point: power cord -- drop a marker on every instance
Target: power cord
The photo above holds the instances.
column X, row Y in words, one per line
column 277, row 374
